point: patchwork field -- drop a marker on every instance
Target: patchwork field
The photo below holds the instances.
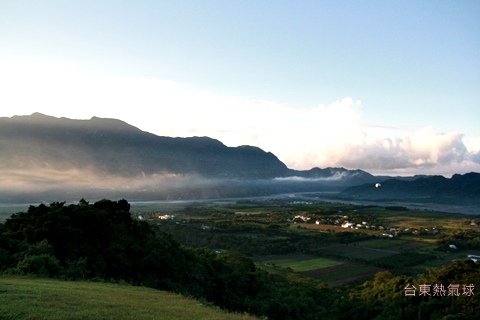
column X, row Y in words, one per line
column 262, row 229
column 331, row 271
column 352, row 252
column 381, row 243
column 342, row 273
column 300, row 263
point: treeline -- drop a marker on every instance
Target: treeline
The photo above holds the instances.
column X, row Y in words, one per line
column 101, row 241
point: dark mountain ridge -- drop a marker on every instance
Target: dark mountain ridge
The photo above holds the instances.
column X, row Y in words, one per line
column 47, row 156
column 53, row 157
column 115, row 147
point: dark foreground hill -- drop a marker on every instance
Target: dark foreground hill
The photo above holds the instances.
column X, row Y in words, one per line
column 459, row 189
column 47, row 158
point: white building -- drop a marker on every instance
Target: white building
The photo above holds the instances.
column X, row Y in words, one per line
column 347, row 224
column 166, row 217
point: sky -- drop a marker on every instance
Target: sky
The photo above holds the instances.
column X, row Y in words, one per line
column 390, row 87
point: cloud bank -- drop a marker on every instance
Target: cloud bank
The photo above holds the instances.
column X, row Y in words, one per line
column 328, row 135
column 35, row 179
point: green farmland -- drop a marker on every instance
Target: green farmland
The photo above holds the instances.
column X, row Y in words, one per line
column 300, row 263
column 264, row 230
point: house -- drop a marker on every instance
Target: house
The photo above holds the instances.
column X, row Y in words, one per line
column 347, row 224
column 474, row 258
column 301, row 219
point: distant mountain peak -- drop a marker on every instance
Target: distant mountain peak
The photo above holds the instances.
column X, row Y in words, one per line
column 49, row 152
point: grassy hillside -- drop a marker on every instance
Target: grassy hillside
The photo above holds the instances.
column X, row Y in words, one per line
column 23, row 298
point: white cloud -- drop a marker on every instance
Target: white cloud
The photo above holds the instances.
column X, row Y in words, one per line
column 327, row 135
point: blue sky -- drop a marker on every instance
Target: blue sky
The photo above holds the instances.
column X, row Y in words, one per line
column 386, row 86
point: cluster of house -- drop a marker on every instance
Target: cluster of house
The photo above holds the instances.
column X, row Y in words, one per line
column 363, row 225
column 300, row 202
column 474, row 258
column 342, row 221
column 299, row 219
column 166, row 217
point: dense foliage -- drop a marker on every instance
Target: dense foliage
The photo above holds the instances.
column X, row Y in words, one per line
column 102, row 241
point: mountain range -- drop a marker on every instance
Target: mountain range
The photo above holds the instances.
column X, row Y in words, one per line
column 114, row 147
column 44, row 157
column 459, row 189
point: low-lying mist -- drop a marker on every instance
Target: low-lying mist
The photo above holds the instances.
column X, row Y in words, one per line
column 337, row 176
column 51, row 184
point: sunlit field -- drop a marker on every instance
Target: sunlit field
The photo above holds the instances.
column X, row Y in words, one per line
column 321, row 248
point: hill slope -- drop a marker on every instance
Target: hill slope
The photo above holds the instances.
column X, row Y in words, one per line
column 460, row 189
column 24, row 298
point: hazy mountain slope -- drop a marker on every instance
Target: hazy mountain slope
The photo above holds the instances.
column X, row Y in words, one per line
column 51, row 158
column 352, row 176
column 461, row 189
column 114, row 147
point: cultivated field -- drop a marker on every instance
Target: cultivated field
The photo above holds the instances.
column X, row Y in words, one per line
column 307, row 238
column 272, row 233
column 298, row 262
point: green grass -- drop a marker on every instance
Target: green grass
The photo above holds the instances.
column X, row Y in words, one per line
column 381, row 243
column 340, row 274
column 24, row 298
column 355, row 252
column 304, row 265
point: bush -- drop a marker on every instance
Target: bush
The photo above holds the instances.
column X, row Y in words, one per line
column 43, row 265
column 76, row 270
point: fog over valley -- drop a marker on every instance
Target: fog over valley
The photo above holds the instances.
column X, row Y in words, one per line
column 45, row 158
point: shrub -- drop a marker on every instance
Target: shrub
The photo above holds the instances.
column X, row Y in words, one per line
column 43, row 265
